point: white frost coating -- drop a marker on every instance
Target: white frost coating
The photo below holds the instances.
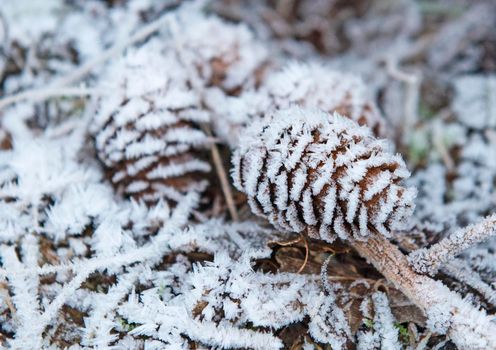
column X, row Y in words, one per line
column 328, row 322
column 25, row 285
column 333, row 174
column 109, row 254
column 75, row 190
column 100, row 320
column 468, row 326
column 65, row 198
column 307, row 85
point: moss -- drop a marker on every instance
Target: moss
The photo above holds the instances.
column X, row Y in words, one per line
column 404, row 334
column 368, row 323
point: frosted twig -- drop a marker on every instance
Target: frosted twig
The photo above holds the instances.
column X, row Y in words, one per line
column 100, row 319
column 303, row 238
column 324, row 274
column 43, row 94
column 412, row 82
column 68, row 289
column 4, row 292
column 221, row 173
column 153, row 250
column 429, row 260
column 384, row 322
column 86, row 68
column 460, row 269
column 82, row 71
column 437, row 140
column 422, row 344
column 24, row 289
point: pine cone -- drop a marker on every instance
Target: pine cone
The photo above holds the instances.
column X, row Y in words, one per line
column 316, row 86
column 304, row 169
column 146, row 133
column 226, row 55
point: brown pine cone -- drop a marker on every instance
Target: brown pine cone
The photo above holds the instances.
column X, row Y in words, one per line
column 317, row 86
column 147, row 134
column 225, row 55
column 305, row 169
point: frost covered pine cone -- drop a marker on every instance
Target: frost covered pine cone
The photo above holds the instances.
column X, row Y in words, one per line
column 147, row 134
column 306, row 169
column 314, row 85
column 231, row 59
column 309, row 85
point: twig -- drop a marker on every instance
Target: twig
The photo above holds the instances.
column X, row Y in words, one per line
column 306, row 254
column 422, row 344
column 221, row 173
column 412, row 82
column 446, row 311
column 491, row 101
column 86, row 68
column 437, row 140
column 461, row 270
column 428, row 261
column 6, row 296
column 286, row 243
column 82, row 71
column 324, row 274
column 43, row 94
